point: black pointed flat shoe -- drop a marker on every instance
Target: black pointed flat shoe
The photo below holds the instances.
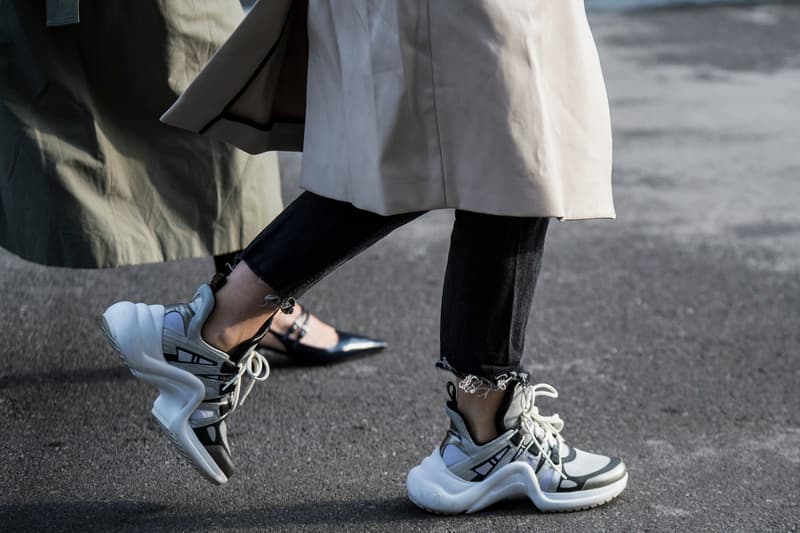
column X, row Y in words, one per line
column 350, row 346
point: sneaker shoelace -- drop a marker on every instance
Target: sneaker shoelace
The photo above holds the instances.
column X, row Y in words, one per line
column 254, row 367
column 543, row 430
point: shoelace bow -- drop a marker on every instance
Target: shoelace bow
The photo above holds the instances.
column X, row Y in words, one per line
column 544, row 430
column 253, row 365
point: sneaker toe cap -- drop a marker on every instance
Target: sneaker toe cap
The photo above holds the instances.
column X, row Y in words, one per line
column 613, row 471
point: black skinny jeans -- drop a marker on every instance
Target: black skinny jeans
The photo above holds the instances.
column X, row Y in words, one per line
column 492, row 268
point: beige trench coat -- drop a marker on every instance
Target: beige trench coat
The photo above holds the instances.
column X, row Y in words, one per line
column 493, row 106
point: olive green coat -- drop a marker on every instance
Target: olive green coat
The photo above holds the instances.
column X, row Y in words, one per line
column 89, row 177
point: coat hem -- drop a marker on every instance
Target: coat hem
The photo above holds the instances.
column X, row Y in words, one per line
column 402, row 209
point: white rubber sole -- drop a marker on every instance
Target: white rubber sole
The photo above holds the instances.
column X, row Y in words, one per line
column 135, row 331
column 434, row 488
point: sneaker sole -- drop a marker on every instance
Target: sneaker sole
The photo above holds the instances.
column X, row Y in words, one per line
column 135, row 332
column 434, row 488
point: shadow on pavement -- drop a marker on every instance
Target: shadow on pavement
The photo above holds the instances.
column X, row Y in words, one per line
column 78, row 375
column 116, row 516
column 105, row 516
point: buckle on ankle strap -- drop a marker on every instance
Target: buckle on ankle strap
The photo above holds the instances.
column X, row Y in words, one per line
column 284, row 305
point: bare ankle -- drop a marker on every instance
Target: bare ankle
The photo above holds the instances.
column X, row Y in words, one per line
column 222, row 338
column 479, row 412
column 239, row 310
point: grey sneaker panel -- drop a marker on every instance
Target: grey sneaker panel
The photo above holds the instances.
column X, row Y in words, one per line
column 202, row 305
column 189, row 340
column 482, row 462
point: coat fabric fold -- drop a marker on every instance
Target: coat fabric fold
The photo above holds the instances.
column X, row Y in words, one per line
column 89, row 177
column 492, row 106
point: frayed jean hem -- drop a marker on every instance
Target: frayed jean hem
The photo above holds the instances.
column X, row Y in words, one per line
column 473, row 383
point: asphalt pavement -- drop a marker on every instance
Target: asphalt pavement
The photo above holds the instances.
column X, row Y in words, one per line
column 672, row 335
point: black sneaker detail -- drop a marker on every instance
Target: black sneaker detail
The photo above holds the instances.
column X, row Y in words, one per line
column 485, row 468
column 194, row 358
column 188, row 357
column 217, row 282
column 215, row 440
column 228, row 368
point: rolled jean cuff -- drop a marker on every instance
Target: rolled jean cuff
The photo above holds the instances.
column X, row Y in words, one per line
column 486, row 379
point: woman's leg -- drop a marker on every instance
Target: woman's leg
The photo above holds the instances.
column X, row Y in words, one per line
column 309, row 239
column 493, row 265
column 499, row 445
column 301, row 335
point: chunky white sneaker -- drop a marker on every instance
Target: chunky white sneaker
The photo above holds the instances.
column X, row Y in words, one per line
column 529, row 458
column 199, row 385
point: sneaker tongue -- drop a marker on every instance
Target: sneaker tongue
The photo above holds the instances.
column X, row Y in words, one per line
column 514, row 408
